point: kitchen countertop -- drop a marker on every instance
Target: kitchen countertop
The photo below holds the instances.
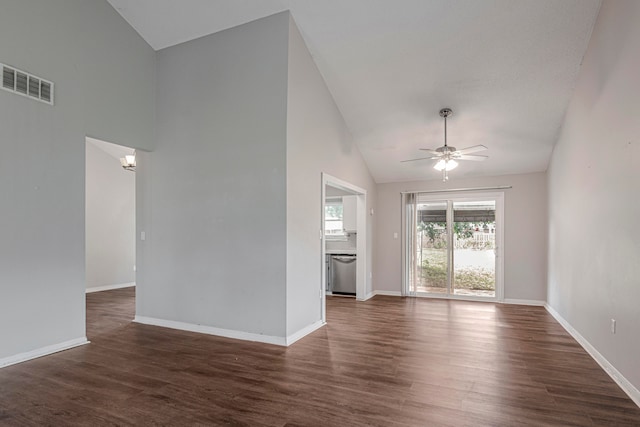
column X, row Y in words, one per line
column 341, row 251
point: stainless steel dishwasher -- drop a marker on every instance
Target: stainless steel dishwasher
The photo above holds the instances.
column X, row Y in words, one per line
column 343, row 274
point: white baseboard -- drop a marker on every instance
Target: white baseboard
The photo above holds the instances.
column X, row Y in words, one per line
column 210, row 330
column 624, row 384
column 534, row 302
column 387, row 293
column 110, row 287
column 304, row 332
column 42, row 351
column 369, row 296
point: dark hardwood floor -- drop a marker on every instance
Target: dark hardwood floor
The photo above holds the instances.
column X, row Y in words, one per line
column 385, row 362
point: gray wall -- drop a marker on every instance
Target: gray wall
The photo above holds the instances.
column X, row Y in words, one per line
column 104, row 76
column 213, row 195
column 594, row 181
column 317, row 141
column 110, row 220
column 525, row 222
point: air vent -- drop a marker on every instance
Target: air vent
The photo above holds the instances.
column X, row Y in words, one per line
column 22, row 83
column 8, row 78
column 45, row 92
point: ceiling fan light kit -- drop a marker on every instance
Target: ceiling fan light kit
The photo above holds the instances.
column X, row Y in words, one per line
column 447, row 155
column 445, row 165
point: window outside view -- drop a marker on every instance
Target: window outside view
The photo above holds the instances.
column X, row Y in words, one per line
column 333, row 219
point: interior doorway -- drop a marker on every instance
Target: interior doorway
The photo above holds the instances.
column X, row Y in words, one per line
column 344, row 240
column 452, row 246
column 110, row 217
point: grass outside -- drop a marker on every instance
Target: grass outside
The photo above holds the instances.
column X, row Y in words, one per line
column 434, row 273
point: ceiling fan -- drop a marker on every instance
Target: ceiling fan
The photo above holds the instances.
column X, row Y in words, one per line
column 447, row 155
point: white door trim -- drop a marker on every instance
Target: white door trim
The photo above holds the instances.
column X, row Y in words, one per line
column 361, row 244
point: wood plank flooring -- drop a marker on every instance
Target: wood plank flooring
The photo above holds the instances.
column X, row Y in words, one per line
column 385, row 362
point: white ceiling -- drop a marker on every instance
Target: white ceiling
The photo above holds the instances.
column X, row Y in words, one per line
column 507, row 68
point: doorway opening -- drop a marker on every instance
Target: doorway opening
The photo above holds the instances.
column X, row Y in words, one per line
column 110, row 218
column 344, row 240
column 452, row 246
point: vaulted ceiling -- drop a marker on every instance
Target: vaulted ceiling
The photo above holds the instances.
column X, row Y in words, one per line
column 507, row 68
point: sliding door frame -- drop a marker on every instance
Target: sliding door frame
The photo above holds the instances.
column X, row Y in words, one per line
column 451, row 198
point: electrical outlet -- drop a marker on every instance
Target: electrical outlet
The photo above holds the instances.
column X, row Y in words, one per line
column 613, row 326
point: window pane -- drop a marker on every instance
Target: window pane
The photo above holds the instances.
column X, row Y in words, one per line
column 333, row 219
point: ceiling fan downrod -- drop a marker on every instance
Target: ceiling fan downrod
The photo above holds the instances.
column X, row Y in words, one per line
column 445, row 112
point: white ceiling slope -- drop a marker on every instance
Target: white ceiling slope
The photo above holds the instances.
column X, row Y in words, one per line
column 506, row 67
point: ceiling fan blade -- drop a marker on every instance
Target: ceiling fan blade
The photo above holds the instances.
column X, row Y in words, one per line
column 422, row 158
column 428, row 150
column 473, row 149
column 468, row 157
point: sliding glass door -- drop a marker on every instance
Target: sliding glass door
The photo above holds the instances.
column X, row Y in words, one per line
column 451, row 245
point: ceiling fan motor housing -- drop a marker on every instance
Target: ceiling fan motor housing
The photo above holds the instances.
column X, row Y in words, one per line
column 446, row 149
